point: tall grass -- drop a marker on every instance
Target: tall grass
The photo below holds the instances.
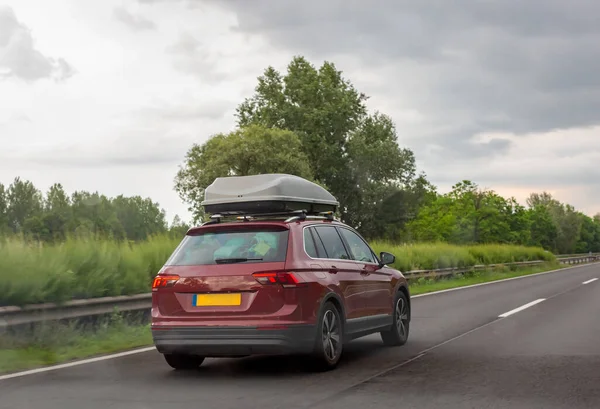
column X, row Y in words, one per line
column 427, row 256
column 85, row 268
column 78, row 268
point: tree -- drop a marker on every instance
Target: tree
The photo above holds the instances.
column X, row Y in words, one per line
column 566, row 220
column 139, row 217
column 544, row 231
column 247, row 151
column 4, row 220
column 94, row 214
column 24, row 202
column 57, row 212
column 318, row 105
column 469, row 214
column 354, row 154
column 178, row 228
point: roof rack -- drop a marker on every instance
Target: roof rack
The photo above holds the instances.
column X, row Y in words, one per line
column 294, row 216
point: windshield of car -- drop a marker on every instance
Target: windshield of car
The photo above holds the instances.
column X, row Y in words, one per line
column 231, row 246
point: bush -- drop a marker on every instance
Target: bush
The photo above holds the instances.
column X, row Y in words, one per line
column 429, row 256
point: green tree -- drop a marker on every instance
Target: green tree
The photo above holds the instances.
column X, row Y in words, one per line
column 24, row 202
column 4, row 220
column 469, row 214
column 354, row 154
column 94, row 214
column 588, row 237
column 247, row 151
column 319, row 105
column 178, row 228
column 139, row 217
column 57, row 213
column 436, row 221
column 564, row 217
column 544, row 231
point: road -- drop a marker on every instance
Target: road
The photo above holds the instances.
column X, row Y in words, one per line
column 461, row 354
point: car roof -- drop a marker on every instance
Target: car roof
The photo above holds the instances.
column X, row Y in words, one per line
column 258, row 223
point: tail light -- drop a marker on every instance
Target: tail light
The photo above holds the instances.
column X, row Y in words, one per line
column 164, row 281
column 286, row 279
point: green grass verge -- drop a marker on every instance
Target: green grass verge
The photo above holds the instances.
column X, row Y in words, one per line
column 423, row 285
column 55, row 343
column 32, row 273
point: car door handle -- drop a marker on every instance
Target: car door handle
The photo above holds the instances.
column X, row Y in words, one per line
column 333, row 270
column 365, row 272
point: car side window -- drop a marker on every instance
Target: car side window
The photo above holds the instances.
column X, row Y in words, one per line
column 309, row 244
column 359, row 250
column 334, row 246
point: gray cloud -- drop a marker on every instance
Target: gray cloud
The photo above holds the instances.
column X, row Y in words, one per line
column 214, row 109
column 135, row 22
column 18, row 56
column 478, row 67
column 194, row 58
column 141, row 147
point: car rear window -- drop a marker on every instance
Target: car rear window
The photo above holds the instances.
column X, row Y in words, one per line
column 231, row 246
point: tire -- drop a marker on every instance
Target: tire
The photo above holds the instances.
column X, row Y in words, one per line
column 329, row 340
column 397, row 335
column 183, row 362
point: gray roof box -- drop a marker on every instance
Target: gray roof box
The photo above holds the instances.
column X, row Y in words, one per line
column 269, row 193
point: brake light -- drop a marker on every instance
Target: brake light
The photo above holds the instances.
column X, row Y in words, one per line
column 286, row 279
column 164, row 281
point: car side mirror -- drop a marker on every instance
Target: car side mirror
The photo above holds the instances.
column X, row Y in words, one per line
column 386, row 259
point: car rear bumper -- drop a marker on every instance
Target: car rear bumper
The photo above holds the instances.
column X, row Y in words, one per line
column 234, row 341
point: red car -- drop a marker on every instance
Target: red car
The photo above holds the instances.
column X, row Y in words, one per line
column 304, row 284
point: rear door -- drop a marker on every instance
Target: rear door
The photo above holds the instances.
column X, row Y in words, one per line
column 379, row 291
column 343, row 270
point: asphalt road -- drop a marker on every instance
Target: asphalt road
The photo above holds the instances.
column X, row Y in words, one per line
column 461, row 354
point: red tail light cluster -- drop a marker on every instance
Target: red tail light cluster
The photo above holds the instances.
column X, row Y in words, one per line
column 286, row 279
column 164, row 281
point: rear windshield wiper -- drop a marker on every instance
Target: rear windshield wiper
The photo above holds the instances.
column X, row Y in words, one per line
column 235, row 260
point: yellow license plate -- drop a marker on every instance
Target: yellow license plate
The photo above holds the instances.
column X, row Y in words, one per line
column 217, row 300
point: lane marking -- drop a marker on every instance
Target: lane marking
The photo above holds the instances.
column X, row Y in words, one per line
column 521, row 308
column 589, row 281
column 76, row 363
column 466, row 287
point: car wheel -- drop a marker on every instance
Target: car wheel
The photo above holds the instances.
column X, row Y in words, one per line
column 329, row 342
column 183, row 362
column 398, row 334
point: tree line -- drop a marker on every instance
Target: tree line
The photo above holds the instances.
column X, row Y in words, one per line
column 25, row 211
column 312, row 122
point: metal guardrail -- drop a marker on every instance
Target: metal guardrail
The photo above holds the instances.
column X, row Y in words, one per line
column 441, row 272
column 30, row 314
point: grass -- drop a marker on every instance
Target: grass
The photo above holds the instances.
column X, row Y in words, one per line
column 429, row 256
column 424, row 285
column 78, row 268
column 54, row 343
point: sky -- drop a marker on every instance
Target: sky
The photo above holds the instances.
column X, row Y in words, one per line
column 108, row 96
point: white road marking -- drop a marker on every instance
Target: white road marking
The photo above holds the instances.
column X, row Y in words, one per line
column 76, row 363
column 466, row 287
column 589, row 281
column 521, row 308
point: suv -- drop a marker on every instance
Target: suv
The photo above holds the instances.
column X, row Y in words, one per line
column 306, row 284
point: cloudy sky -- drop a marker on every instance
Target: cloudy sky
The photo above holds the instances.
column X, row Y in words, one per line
column 109, row 95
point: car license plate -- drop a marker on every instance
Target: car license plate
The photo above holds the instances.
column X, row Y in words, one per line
column 217, row 300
